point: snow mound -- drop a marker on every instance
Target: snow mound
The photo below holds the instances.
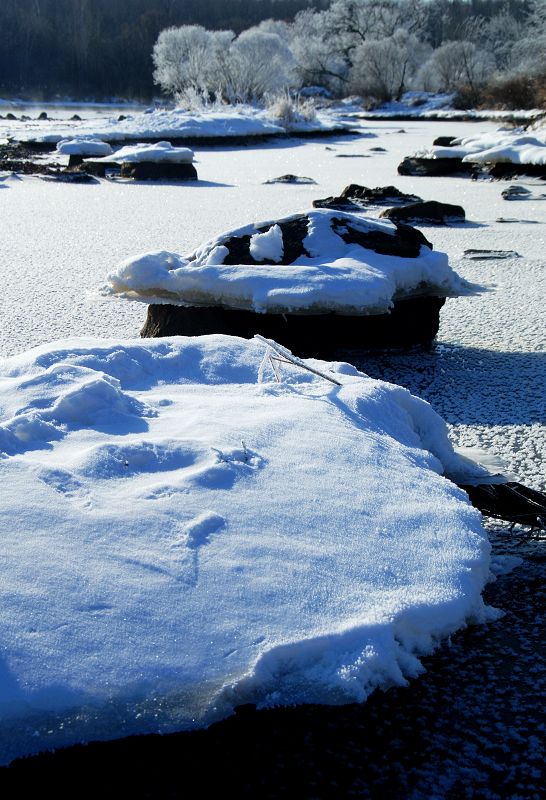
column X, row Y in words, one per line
column 160, row 152
column 83, row 146
column 183, row 533
column 514, row 147
column 331, row 261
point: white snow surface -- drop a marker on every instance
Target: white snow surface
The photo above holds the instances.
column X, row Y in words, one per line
column 181, row 534
column 233, row 121
column 513, row 147
column 433, row 106
column 157, row 152
column 335, row 276
column 486, row 375
column 83, row 146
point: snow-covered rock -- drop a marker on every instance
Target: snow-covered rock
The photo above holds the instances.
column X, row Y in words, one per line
column 512, row 147
column 83, row 146
column 159, row 152
column 311, row 263
column 183, row 533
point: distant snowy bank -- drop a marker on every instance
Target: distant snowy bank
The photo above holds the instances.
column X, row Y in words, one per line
column 231, row 122
column 179, row 539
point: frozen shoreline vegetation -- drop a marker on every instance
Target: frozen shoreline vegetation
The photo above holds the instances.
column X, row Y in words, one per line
column 176, row 545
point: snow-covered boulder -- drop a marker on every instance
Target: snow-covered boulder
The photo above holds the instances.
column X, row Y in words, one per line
column 502, row 153
column 157, row 161
column 178, row 540
column 281, row 278
column 84, row 146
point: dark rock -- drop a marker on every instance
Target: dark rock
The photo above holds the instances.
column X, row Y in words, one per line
column 351, row 155
column 99, row 168
column 62, row 176
column 290, row 179
column 377, row 150
column 516, row 193
column 42, row 116
column 381, row 195
column 158, row 171
column 10, row 116
column 405, row 242
column 444, row 141
column 483, row 255
column 411, row 322
column 521, row 221
column 75, row 118
column 338, row 204
column 75, row 160
column 23, row 167
column 355, row 197
column 431, row 212
column 507, row 171
column 294, row 232
column 24, row 118
column 122, row 117
column 436, row 167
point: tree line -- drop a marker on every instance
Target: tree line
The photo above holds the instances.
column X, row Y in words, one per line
column 102, row 48
column 241, row 50
column 482, row 51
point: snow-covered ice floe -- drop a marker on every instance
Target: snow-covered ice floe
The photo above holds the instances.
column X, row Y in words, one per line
column 182, row 533
column 514, row 147
column 349, row 264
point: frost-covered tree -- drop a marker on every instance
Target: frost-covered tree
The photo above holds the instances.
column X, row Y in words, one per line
column 216, row 63
column 317, row 52
column 384, row 68
column 257, row 63
column 188, row 58
column 457, row 64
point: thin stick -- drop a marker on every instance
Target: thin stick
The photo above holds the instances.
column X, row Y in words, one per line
column 286, row 355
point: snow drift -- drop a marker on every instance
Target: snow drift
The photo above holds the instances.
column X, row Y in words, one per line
column 183, row 533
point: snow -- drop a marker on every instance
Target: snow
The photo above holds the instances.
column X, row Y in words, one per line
column 433, row 106
column 334, row 276
column 83, row 146
column 485, row 377
column 159, row 152
column 268, row 245
column 178, row 537
column 500, row 146
column 232, row 121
